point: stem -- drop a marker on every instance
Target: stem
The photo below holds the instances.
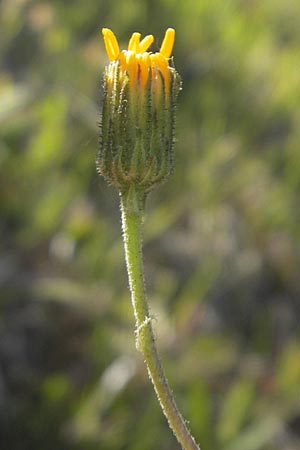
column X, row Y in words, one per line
column 132, row 215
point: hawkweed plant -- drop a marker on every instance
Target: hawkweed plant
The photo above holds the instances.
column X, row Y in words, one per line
column 136, row 155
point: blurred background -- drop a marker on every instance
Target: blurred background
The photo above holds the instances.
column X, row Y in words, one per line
column 222, row 249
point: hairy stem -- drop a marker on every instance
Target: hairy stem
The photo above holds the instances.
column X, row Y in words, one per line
column 132, row 214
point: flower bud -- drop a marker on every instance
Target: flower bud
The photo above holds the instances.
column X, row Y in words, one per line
column 138, row 113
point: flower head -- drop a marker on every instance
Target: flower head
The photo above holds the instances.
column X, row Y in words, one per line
column 137, row 61
column 137, row 131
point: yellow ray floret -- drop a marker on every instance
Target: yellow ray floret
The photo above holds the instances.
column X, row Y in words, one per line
column 145, row 43
column 168, row 43
column 111, row 44
column 137, row 61
column 134, row 42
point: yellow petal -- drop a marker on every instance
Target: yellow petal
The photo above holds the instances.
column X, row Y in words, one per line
column 134, row 42
column 145, row 43
column 131, row 66
column 168, row 43
column 144, row 65
column 111, row 44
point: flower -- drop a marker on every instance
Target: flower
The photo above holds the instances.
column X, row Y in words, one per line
column 136, row 61
column 138, row 112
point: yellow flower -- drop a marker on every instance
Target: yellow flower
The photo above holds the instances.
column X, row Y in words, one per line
column 137, row 61
column 140, row 89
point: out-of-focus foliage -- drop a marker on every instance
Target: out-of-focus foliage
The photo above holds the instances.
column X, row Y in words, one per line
column 222, row 248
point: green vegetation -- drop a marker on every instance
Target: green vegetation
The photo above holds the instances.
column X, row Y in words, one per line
column 222, row 248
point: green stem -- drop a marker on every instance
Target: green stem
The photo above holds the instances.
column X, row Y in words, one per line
column 132, row 214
